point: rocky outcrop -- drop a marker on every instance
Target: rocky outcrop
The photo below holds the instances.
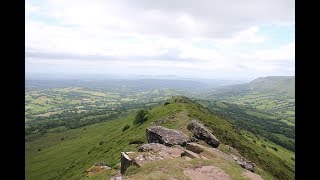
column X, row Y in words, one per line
column 161, row 150
column 151, row 147
column 168, row 137
column 148, row 153
column 201, row 132
column 244, row 164
column 126, row 161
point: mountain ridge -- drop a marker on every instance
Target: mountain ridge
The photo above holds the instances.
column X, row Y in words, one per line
column 281, row 84
column 107, row 140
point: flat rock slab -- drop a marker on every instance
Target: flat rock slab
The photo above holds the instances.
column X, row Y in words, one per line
column 251, row 175
column 151, row 147
column 206, row 173
column 162, row 150
column 168, row 137
column 150, row 152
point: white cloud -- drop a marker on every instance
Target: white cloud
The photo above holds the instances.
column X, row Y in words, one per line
column 286, row 52
column 202, row 38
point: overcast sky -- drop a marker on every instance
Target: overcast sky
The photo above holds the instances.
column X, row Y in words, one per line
column 219, row 39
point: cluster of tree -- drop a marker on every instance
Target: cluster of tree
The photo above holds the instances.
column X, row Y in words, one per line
column 72, row 119
column 69, row 120
column 141, row 116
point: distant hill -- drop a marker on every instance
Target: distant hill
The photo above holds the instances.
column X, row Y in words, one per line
column 274, row 95
column 280, row 84
column 133, row 84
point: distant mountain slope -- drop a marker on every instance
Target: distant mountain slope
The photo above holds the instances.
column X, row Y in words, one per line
column 280, row 84
column 274, row 95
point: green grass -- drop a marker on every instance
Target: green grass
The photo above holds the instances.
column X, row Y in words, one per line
column 261, row 115
column 106, row 174
column 56, row 154
column 282, row 153
column 78, row 152
column 80, row 149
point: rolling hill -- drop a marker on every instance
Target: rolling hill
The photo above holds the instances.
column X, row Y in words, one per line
column 68, row 154
column 282, row 85
column 273, row 95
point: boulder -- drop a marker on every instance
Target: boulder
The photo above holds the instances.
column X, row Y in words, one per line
column 245, row 164
column 201, row 132
column 126, row 161
column 151, row 147
column 168, row 137
column 249, row 167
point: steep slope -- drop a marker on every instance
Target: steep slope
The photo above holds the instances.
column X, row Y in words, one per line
column 66, row 155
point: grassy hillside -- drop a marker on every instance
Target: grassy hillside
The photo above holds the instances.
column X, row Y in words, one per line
column 67, row 154
column 274, row 95
column 284, row 84
column 255, row 121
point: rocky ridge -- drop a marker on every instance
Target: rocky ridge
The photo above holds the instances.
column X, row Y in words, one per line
column 164, row 143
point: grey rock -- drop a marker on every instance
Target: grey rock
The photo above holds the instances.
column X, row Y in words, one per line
column 119, row 177
column 193, row 139
column 126, row 161
column 151, row 147
column 152, row 152
column 245, row 164
column 201, row 132
column 168, row 137
column 190, row 154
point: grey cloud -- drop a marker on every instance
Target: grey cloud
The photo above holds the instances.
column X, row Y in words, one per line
column 171, row 55
column 224, row 18
column 53, row 55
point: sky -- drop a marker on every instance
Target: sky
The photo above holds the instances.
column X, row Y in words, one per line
column 212, row 39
